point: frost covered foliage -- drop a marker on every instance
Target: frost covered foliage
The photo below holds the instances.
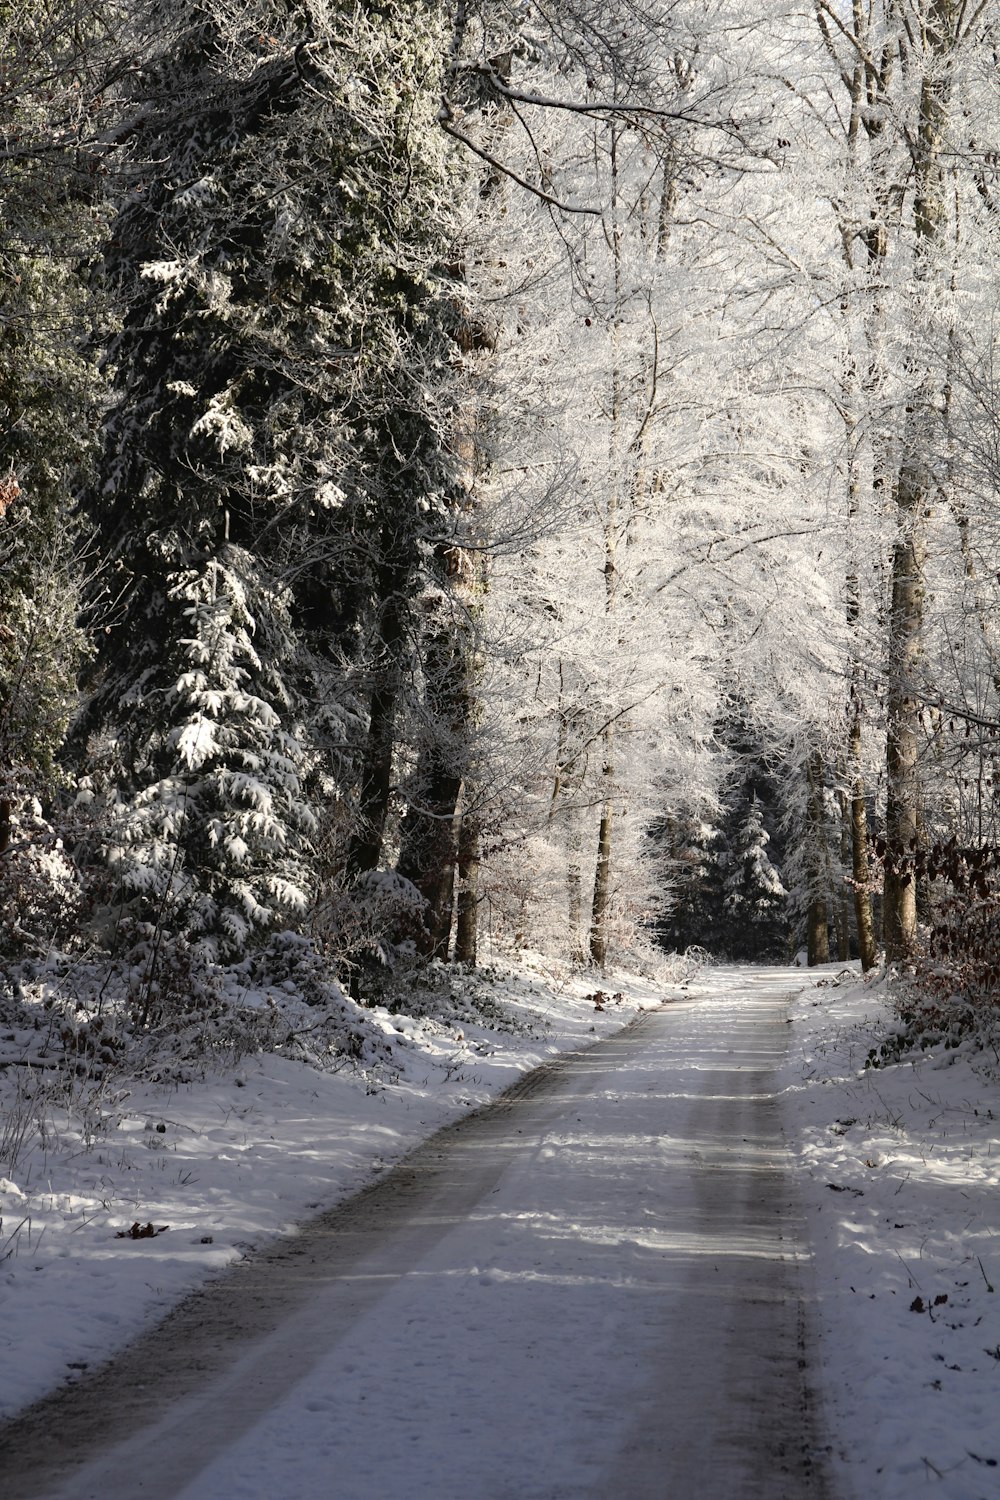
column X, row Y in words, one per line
column 51, row 59
column 754, row 894
column 273, row 421
column 40, row 650
column 215, row 832
column 532, row 901
column 695, row 851
column 40, row 893
column 376, row 923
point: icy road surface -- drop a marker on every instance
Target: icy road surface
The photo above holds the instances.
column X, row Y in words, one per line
column 598, row 1286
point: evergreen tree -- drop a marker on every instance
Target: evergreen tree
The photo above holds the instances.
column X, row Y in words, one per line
column 725, row 866
column 272, row 450
column 694, row 857
column 753, row 894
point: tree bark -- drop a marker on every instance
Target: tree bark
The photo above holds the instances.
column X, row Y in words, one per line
column 902, row 821
column 467, row 927
column 868, row 86
column 602, row 874
column 574, row 889
column 860, row 857
column 375, row 787
column 602, row 877
column 427, row 839
column 427, row 858
column 843, row 894
column 902, row 813
column 817, row 914
column 567, row 784
column 859, row 836
column 915, row 490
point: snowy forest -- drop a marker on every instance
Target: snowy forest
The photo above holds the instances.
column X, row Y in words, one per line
column 499, row 742
column 497, row 476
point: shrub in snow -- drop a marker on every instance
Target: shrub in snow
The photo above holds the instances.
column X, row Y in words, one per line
column 951, row 988
column 373, row 924
column 40, row 895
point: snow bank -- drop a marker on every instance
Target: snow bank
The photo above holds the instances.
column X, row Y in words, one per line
column 900, row 1171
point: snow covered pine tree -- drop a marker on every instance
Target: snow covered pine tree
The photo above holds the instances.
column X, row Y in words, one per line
column 271, row 454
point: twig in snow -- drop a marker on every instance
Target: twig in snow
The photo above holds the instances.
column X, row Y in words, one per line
column 913, row 1280
column 5, row 1254
column 30, row 1062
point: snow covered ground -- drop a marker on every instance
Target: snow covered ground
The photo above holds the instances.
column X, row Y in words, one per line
column 900, row 1172
column 897, row 1176
column 593, row 1290
column 234, row 1156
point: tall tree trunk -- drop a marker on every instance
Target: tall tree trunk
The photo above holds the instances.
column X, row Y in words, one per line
column 817, row 915
column 915, row 491
column 574, row 888
column 870, row 67
column 843, row 893
column 427, row 858
column 860, row 856
column 432, row 827
column 602, row 877
column 467, row 927
column 427, row 835
column 860, row 859
column 902, row 812
column 375, row 790
column 924, row 39
column 567, row 783
column 602, row 874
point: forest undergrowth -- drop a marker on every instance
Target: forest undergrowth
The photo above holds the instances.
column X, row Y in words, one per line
column 78, row 1035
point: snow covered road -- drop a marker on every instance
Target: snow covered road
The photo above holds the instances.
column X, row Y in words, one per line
column 596, row 1287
